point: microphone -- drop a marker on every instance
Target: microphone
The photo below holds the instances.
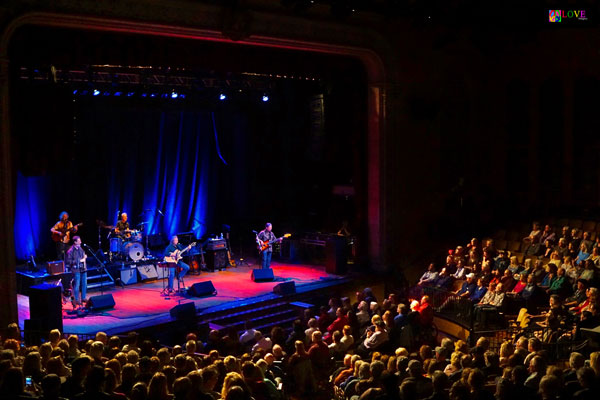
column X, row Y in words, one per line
column 255, row 232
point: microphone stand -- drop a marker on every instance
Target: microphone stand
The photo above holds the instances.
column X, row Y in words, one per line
column 102, row 267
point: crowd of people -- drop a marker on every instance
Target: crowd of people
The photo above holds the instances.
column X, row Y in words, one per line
column 358, row 349
column 552, row 274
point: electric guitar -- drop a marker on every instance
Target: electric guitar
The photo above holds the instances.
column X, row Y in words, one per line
column 177, row 254
column 262, row 246
column 64, row 235
column 231, row 260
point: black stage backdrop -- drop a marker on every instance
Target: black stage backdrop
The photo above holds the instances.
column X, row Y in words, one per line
column 239, row 163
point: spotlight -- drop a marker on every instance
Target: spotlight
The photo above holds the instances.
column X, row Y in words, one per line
column 222, row 96
column 118, row 93
column 130, row 94
column 144, row 94
column 174, row 95
column 153, row 95
column 75, row 91
column 182, row 96
column 96, row 92
column 265, row 98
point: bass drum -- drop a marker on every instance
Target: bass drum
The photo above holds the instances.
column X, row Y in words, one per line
column 134, row 250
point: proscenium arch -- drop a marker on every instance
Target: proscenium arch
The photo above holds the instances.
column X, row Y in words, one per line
column 376, row 78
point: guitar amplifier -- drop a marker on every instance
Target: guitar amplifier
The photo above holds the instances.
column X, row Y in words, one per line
column 216, row 244
column 55, row 267
column 147, row 272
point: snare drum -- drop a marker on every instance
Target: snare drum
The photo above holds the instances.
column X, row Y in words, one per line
column 134, row 250
column 116, row 244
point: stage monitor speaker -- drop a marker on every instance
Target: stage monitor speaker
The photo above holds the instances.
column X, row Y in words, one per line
column 45, row 307
column 128, row 276
column 55, row 267
column 147, row 272
column 100, row 302
column 285, row 288
column 262, row 275
column 184, row 311
column 202, row 289
column 216, row 259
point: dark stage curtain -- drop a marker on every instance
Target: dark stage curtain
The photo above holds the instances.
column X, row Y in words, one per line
column 128, row 159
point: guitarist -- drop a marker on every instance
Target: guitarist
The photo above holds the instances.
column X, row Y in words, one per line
column 62, row 230
column 266, row 235
column 171, row 251
column 76, row 261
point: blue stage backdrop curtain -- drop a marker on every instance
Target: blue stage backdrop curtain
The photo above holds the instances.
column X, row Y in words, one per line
column 30, row 217
column 126, row 159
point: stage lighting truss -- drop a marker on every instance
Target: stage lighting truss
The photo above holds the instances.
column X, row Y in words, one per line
column 160, row 83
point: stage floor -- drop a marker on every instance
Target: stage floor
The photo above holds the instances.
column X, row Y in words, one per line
column 142, row 304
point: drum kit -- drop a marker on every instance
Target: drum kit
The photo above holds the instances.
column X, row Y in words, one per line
column 126, row 247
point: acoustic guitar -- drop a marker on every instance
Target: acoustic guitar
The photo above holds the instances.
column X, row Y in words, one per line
column 64, row 235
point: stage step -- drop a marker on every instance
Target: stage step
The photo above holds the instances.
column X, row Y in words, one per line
column 262, row 317
column 95, row 279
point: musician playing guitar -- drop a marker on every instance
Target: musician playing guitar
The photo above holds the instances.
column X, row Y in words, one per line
column 76, row 262
column 173, row 254
column 265, row 240
column 61, row 234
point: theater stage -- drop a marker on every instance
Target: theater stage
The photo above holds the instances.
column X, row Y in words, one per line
column 141, row 305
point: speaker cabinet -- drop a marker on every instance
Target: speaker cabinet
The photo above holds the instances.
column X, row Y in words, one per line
column 128, row 276
column 45, row 308
column 147, row 272
column 202, row 289
column 55, row 267
column 216, row 259
column 186, row 311
column 262, row 275
column 100, row 302
column 336, row 255
column 285, row 288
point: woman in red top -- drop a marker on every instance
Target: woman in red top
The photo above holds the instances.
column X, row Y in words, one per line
column 337, row 325
column 521, row 284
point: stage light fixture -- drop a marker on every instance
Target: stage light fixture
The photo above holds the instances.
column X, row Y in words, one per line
column 106, row 94
column 130, row 94
column 118, row 93
column 144, row 94
column 174, row 95
column 153, row 95
column 265, row 98
column 96, row 92
column 182, row 96
column 222, row 96
column 75, row 91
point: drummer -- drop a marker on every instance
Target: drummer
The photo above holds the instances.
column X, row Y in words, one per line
column 122, row 229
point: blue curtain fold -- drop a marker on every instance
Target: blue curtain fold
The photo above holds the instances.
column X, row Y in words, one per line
column 130, row 160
